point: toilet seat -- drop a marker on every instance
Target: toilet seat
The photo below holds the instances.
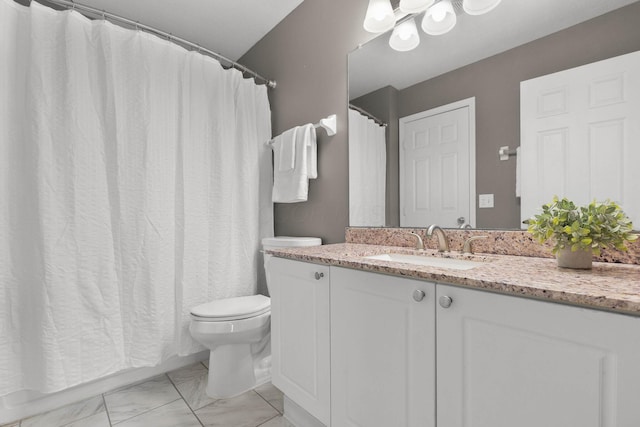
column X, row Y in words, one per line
column 228, row 309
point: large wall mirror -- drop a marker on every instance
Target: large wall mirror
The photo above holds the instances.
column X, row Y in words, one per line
column 483, row 59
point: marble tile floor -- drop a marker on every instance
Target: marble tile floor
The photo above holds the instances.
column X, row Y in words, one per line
column 176, row 399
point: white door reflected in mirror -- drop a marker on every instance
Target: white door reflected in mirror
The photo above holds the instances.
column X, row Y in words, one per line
column 437, row 166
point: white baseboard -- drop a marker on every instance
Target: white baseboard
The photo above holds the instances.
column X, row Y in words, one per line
column 26, row 403
column 297, row 416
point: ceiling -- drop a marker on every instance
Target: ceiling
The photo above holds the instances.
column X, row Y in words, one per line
column 511, row 24
column 229, row 27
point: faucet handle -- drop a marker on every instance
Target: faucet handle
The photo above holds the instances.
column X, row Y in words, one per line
column 419, row 242
column 467, row 248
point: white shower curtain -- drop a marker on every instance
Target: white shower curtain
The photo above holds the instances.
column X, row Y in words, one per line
column 367, row 171
column 134, row 184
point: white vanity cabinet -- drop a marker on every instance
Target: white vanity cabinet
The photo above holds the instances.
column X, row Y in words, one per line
column 361, row 349
column 505, row 361
column 382, row 350
column 300, row 333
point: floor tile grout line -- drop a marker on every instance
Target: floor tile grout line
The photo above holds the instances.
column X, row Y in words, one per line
column 19, row 423
column 185, row 401
column 270, row 404
column 83, row 418
column 106, row 409
column 146, row 412
column 272, row 418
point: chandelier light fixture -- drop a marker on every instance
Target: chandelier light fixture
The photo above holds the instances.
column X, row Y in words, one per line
column 439, row 18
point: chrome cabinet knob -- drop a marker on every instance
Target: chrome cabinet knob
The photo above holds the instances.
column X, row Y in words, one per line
column 418, row 295
column 319, row 275
column 445, row 301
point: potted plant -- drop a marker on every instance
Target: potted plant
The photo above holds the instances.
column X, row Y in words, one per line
column 581, row 231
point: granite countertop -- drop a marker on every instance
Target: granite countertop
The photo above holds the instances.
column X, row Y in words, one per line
column 608, row 286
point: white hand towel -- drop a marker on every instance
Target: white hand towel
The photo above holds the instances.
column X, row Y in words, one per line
column 293, row 185
column 310, row 142
column 284, row 149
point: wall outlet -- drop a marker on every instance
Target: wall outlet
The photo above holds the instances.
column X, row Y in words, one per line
column 485, row 200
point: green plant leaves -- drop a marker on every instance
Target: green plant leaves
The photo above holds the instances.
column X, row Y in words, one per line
column 595, row 226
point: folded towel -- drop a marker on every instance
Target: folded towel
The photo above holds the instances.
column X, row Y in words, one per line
column 309, row 141
column 292, row 186
column 284, row 149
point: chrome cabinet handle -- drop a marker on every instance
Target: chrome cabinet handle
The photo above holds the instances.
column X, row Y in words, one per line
column 445, row 301
column 418, row 295
column 319, row 275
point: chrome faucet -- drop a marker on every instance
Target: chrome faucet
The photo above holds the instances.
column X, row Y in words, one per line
column 467, row 248
column 443, row 242
column 419, row 242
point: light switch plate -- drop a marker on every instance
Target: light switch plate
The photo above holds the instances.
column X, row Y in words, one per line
column 485, row 200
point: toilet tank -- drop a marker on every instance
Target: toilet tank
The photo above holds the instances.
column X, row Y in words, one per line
column 289, row 242
column 278, row 242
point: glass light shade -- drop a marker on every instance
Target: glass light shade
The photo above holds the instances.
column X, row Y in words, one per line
column 405, row 36
column 415, row 6
column 478, row 7
column 379, row 17
column 439, row 18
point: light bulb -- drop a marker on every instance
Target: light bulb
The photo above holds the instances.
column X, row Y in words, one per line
column 439, row 18
column 405, row 36
column 404, row 33
column 439, row 12
column 379, row 13
column 379, row 17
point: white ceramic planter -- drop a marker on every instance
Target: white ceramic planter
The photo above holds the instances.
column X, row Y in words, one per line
column 581, row 259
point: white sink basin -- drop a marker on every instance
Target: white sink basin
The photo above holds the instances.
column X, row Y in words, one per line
column 455, row 264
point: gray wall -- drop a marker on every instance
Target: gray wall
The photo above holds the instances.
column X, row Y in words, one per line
column 307, row 55
column 495, row 82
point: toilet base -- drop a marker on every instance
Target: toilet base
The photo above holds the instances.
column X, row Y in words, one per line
column 237, row 368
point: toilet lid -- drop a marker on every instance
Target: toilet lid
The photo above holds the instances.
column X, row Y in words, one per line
column 290, row 242
column 233, row 308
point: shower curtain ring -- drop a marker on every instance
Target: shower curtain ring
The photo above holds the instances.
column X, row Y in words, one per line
column 103, row 15
column 137, row 26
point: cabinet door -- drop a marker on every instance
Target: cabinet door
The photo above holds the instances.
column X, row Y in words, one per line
column 382, row 351
column 300, row 333
column 505, row 361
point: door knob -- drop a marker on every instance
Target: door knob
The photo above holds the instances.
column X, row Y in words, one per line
column 319, row 275
column 445, row 301
column 418, row 295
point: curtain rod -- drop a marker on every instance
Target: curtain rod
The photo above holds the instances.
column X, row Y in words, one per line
column 368, row 114
column 101, row 13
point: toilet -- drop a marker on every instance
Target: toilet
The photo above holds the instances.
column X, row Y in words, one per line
column 237, row 333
